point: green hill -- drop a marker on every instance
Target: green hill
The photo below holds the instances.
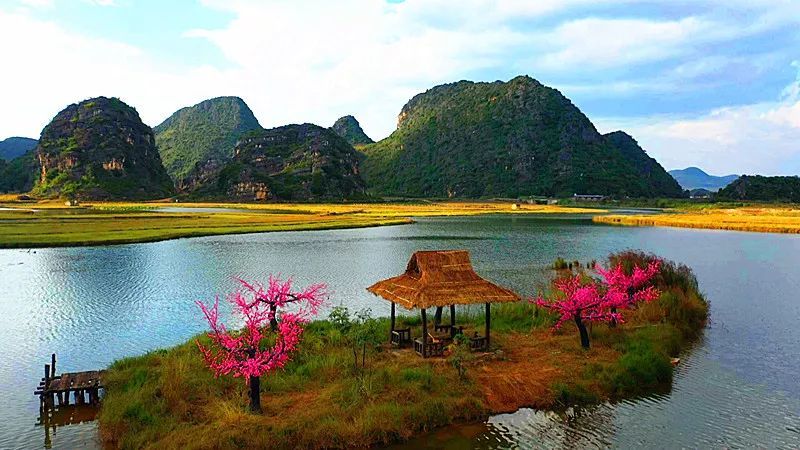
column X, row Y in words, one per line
column 100, row 149
column 506, row 139
column 695, row 178
column 14, row 147
column 19, row 174
column 757, row 187
column 658, row 179
column 349, row 128
column 206, row 131
column 293, row 162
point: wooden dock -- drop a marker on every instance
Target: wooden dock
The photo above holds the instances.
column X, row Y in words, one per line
column 83, row 386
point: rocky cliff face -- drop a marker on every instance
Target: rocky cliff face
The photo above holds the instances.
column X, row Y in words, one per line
column 504, row 139
column 349, row 128
column 206, row 131
column 293, row 162
column 100, row 149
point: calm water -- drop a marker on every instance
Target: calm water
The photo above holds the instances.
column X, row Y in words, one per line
column 737, row 388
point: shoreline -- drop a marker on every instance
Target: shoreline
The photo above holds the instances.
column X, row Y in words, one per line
column 756, row 220
column 305, row 227
column 53, row 225
column 168, row 398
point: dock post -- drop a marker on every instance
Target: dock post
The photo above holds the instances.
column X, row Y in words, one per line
column 45, row 395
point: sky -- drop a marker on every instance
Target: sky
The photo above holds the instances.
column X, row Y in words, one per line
column 714, row 84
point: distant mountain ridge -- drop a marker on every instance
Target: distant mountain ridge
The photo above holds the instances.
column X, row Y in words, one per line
column 206, row 131
column 15, row 147
column 459, row 140
column 349, row 128
column 506, row 139
column 695, row 178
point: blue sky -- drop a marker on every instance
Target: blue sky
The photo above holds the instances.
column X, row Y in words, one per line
column 713, row 84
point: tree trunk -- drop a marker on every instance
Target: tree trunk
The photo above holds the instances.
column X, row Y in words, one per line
column 364, row 357
column 613, row 322
column 437, row 318
column 273, row 322
column 582, row 329
column 255, row 394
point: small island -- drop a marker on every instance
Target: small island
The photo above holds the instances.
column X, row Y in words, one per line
column 348, row 386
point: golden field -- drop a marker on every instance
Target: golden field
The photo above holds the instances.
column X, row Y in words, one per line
column 51, row 223
column 759, row 219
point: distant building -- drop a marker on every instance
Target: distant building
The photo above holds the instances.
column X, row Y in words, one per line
column 541, row 201
column 700, row 193
column 588, row 197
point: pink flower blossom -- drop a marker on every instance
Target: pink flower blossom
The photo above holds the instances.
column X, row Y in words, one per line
column 244, row 353
column 583, row 299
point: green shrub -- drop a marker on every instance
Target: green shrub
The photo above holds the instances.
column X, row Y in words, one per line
column 642, row 368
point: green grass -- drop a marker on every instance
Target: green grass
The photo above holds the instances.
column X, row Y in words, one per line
column 101, row 223
column 64, row 227
column 169, row 399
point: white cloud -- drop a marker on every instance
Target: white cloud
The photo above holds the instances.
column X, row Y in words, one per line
column 37, row 3
column 762, row 138
column 317, row 60
column 53, row 67
column 600, row 43
column 102, row 2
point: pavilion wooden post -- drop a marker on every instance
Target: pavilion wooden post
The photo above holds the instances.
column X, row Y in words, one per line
column 488, row 323
column 424, row 333
column 391, row 331
column 452, row 315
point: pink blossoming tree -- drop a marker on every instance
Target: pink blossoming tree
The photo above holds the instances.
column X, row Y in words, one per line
column 629, row 288
column 582, row 299
column 270, row 334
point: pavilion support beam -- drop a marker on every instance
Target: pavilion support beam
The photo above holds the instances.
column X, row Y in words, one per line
column 452, row 315
column 437, row 320
column 424, row 333
column 391, row 330
column 488, row 323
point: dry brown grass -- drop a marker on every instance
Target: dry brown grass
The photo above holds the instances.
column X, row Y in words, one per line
column 50, row 223
column 766, row 220
column 168, row 399
column 532, row 364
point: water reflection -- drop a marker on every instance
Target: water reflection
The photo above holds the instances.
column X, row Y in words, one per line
column 739, row 388
column 707, row 408
column 51, row 420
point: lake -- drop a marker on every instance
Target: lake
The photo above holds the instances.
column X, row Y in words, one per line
column 736, row 388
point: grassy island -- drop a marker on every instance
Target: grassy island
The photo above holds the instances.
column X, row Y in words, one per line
column 51, row 224
column 169, row 399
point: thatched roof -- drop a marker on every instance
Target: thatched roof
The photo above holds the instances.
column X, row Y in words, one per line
column 440, row 278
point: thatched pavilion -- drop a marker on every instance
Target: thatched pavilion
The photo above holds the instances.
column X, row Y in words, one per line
column 438, row 279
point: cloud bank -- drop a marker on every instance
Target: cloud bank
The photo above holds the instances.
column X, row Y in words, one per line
column 695, row 84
